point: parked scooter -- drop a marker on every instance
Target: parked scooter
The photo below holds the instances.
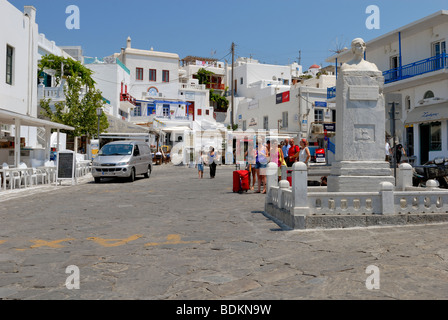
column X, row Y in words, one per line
column 436, row 169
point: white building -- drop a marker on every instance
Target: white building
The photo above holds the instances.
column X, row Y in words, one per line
column 254, row 80
column 414, row 63
column 18, row 87
column 113, row 79
column 163, row 101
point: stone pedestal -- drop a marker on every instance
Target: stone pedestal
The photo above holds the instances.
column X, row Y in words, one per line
column 360, row 164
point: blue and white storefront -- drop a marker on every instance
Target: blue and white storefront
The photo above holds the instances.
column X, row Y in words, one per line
column 427, row 126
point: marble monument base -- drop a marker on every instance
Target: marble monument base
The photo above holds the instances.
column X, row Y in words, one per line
column 359, row 176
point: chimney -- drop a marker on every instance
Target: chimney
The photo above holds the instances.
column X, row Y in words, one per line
column 30, row 11
column 128, row 45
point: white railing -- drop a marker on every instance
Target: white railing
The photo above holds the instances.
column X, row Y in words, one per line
column 421, row 202
column 389, row 200
column 190, row 86
column 340, row 203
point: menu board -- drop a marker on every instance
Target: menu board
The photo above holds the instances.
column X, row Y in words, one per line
column 66, row 164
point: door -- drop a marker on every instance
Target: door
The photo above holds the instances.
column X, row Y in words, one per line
column 424, row 143
column 394, row 67
column 137, row 160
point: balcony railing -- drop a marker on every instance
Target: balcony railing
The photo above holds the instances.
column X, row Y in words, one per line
column 407, row 71
column 127, row 97
column 416, row 68
column 218, row 86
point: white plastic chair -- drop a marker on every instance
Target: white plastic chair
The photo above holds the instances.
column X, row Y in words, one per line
column 42, row 174
column 13, row 178
column 26, row 175
column 52, row 173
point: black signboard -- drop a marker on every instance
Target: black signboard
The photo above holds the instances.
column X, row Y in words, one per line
column 66, row 165
column 330, row 127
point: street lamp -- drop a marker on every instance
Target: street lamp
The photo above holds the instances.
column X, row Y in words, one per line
column 99, row 112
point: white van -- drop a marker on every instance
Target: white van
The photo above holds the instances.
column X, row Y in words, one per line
column 122, row 159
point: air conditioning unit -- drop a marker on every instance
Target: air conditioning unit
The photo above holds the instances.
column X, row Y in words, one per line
column 317, row 128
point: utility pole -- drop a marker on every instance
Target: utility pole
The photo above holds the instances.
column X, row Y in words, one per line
column 232, row 86
column 394, row 155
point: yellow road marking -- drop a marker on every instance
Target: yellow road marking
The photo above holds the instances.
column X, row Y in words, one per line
column 171, row 239
column 52, row 244
column 114, row 242
column 2, row 241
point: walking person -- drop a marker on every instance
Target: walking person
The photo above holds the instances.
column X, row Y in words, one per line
column 251, row 155
column 212, row 162
column 399, row 153
column 263, row 160
column 285, row 150
column 388, row 151
column 200, row 164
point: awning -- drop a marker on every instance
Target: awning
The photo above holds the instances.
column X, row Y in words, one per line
column 117, row 125
column 429, row 113
column 125, row 106
column 9, row 117
column 176, row 129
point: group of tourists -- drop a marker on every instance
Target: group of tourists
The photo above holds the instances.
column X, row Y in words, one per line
column 206, row 159
column 286, row 154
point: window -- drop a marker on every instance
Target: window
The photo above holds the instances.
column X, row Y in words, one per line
column 151, row 109
column 266, row 123
column 428, row 94
column 241, row 80
column 436, row 137
column 407, row 102
column 438, row 47
column 244, row 125
column 318, row 115
column 166, row 110
column 199, row 112
column 9, row 64
column 152, row 75
column 165, row 76
column 137, row 110
column 207, row 112
column 138, row 73
column 285, row 119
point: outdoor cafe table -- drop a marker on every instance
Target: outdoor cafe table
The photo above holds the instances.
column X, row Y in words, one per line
column 11, row 174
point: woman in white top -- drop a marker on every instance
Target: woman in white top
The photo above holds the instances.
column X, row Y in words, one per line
column 304, row 154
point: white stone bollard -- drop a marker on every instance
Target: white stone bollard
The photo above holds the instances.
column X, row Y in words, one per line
column 283, row 185
column 284, row 170
column 300, row 188
column 404, row 176
column 432, row 184
column 387, row 198
column 271, row 176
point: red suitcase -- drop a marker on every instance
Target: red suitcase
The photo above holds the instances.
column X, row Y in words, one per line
column 241, row 181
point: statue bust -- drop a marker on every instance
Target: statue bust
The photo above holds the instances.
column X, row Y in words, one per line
column 358, row 62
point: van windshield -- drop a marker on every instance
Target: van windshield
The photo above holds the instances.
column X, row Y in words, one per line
column 116, row 150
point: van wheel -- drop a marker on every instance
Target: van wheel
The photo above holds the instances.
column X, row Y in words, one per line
column 148, row 173
column 97, row 180
column 132, row 176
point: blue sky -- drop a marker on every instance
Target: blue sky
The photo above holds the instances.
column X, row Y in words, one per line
column 270, row 31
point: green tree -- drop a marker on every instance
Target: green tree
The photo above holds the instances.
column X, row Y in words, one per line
column 204, row 78
column 78, row 111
